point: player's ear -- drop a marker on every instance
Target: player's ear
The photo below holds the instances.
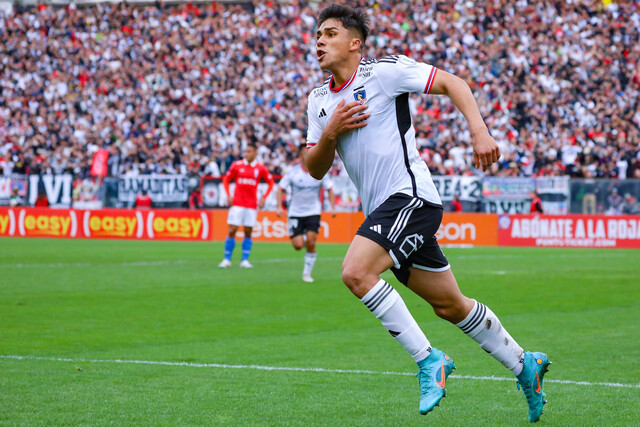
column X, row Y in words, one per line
column 356, row 44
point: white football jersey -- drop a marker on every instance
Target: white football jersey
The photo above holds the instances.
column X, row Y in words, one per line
column 303, row 191
column 381, row 158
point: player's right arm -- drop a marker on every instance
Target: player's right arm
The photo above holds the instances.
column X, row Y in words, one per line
column 321, row 150
column 231, row 174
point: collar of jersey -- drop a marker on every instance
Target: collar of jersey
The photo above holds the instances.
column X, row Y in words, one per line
column 346, row 84
column 250, row 164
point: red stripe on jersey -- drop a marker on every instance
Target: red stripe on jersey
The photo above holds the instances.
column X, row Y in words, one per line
column 432, row 77
column 346, row 84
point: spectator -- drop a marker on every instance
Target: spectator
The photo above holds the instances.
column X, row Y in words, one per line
column 143, row 200
column 536, row 203
column 455, row 205
column 15, row 199
column 180, row 85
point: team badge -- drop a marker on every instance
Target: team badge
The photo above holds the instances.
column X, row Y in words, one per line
column 360, row 95
column 256, row 172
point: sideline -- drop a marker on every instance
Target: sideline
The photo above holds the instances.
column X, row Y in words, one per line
column 285, row 368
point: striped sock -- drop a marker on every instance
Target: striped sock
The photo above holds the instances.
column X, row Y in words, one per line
column 387, row 305
column 484, row 327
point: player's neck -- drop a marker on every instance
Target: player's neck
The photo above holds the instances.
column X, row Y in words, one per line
column 343, row 71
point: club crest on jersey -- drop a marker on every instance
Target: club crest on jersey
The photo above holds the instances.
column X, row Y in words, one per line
column 255, row 172
column 360, row 95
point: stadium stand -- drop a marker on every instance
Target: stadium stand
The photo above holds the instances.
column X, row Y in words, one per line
column 182, row 88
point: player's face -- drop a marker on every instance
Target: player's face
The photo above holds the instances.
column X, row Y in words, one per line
column 333, row 44
column 250, row 154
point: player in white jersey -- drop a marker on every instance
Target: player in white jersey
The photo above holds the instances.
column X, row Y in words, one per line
column 304, row 209
column 362, row 112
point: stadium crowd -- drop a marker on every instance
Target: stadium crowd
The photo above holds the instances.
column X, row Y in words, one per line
column 183, row 88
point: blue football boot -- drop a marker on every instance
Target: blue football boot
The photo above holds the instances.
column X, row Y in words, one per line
column 432, row 375
column 530, row 381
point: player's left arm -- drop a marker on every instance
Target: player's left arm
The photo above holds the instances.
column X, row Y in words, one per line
column 266, row 176
column 485, row 149
column 332, row 201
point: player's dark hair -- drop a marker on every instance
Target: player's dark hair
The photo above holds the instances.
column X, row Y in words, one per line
column 351, row 19
column 253, row 145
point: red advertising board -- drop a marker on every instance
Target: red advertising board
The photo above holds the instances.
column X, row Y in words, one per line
column 569, row 231
column 165, row 224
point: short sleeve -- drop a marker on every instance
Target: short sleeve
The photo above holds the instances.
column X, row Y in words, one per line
column 314, row 132
column 284, row 182
column 327, row 183
column 398, row 75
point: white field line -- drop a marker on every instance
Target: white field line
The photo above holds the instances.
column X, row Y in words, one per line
column 286, row 368
column 153, row 263
column 87, row 264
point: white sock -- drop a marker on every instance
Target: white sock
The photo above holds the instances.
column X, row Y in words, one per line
column 387, row 305
column 484, row 327
column 309, row 262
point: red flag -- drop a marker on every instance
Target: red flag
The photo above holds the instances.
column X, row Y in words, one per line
column 99, row 165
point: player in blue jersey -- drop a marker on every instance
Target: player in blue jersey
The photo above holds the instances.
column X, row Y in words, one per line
column 362, row 112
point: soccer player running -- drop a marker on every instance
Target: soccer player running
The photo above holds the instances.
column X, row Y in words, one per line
column 247, row 173
column 304, row 210
column 362, row 112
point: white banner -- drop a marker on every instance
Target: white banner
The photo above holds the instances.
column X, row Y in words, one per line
column 161, row 188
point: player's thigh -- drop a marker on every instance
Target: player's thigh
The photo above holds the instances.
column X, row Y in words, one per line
column 365, row 258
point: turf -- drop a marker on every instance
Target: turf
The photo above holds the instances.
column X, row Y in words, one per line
column 75, row 314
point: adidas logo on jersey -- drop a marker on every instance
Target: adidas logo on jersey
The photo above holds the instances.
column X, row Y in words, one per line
column 377, row 228
column 322, row 113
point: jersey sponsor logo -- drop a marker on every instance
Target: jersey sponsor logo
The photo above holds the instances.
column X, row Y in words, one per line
column 365, row 71
column 322, row 113
column 247, row 181
column 320, row 92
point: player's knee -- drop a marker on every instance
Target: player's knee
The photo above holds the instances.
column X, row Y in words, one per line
column 297, row 243
column 354, row 277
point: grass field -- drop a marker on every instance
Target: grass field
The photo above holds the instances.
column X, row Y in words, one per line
column 153, row 333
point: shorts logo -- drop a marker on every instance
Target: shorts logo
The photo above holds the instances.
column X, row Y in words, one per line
column 377, row 228
column 411, row 244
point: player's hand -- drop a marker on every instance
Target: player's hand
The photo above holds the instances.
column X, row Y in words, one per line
column 333, row 213
column 485, row 150
column 347, row 117
column 230, row 201
column 261, row 203
column 279, row 211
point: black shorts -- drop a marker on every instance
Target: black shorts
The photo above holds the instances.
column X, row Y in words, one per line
column 406, row 227
column 299, row 225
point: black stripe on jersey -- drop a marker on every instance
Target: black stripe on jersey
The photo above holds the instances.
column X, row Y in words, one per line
column 403, row 116
column 323, row 83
